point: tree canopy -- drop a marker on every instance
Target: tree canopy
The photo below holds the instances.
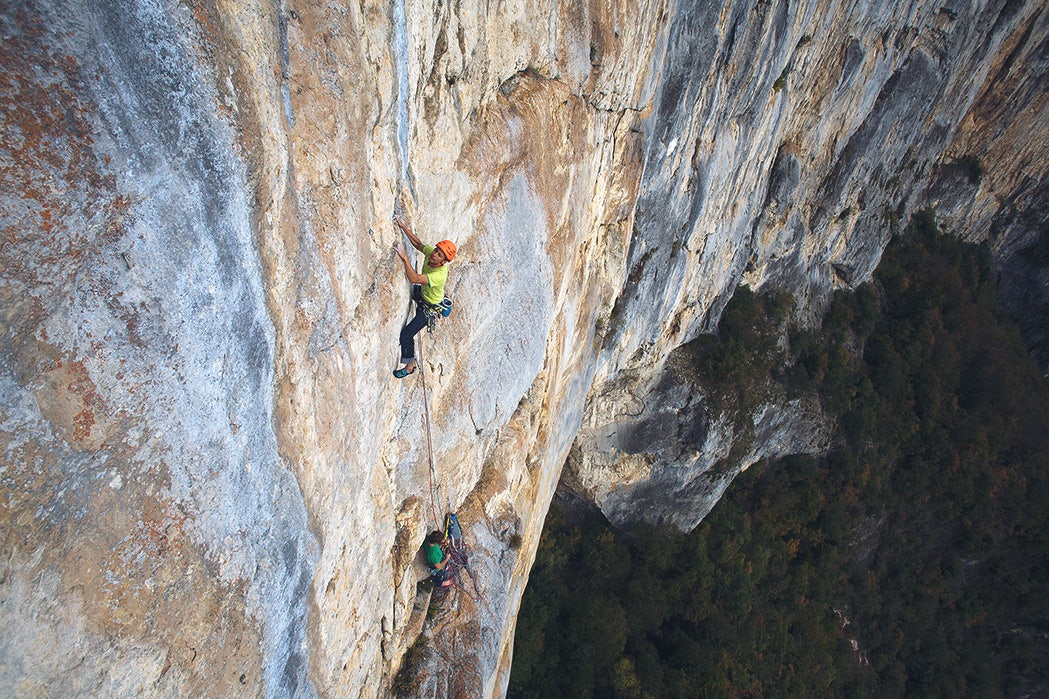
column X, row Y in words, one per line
column 912, row 559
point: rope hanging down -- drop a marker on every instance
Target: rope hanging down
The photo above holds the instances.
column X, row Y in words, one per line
column 429, row 441
column 460, row 552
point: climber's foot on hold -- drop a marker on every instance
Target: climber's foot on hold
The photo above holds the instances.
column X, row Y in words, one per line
column 405, row 371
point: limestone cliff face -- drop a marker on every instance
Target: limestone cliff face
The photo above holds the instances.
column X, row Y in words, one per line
column 211, row 485
column 786, row 146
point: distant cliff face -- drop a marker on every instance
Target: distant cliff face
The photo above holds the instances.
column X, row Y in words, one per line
column 212, row 485
column 786, row 146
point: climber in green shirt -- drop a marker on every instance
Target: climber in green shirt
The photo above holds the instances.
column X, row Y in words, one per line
column 437, row 559
column 430, row 280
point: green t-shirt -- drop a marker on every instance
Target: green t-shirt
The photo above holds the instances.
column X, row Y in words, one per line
column 434, row 555
column 433, row 291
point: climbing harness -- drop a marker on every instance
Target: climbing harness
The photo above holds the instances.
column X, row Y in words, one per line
column 432, row 311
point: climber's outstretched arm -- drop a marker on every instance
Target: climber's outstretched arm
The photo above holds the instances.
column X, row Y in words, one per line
column 409, row 271
column 412, row 238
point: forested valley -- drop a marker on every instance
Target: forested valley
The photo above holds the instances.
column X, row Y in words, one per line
column 910, row 560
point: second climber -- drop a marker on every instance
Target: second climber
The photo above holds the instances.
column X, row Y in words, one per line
column 427, row 290
column 437, row 560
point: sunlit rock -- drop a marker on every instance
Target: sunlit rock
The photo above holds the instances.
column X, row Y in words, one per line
column 211, row 483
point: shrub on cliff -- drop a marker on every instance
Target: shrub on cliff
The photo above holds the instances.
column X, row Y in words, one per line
column 735, row 366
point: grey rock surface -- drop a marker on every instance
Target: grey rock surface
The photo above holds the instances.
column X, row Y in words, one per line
column 212, row 486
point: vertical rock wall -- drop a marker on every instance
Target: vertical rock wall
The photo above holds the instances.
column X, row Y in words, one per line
column 211, row 484
column 155, row 538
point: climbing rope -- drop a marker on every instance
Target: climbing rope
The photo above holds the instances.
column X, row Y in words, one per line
column 458, row 549
column 461, row 556
column 429, row 440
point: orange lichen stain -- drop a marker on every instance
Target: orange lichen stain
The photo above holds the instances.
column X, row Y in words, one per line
column 68, row 398
column 82, row 424
column 537, row 127
column 201, row 15
column 46, row 131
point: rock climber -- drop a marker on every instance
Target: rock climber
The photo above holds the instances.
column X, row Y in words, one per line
column 427, row 289
column 437, row 559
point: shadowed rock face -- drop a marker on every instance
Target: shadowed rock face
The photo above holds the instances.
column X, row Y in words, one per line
column 210, row 483
column 786, row 149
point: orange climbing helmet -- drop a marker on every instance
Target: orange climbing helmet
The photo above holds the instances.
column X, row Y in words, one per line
column 448, row 248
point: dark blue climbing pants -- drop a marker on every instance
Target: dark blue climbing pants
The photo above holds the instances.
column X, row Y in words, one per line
column 408, row 333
